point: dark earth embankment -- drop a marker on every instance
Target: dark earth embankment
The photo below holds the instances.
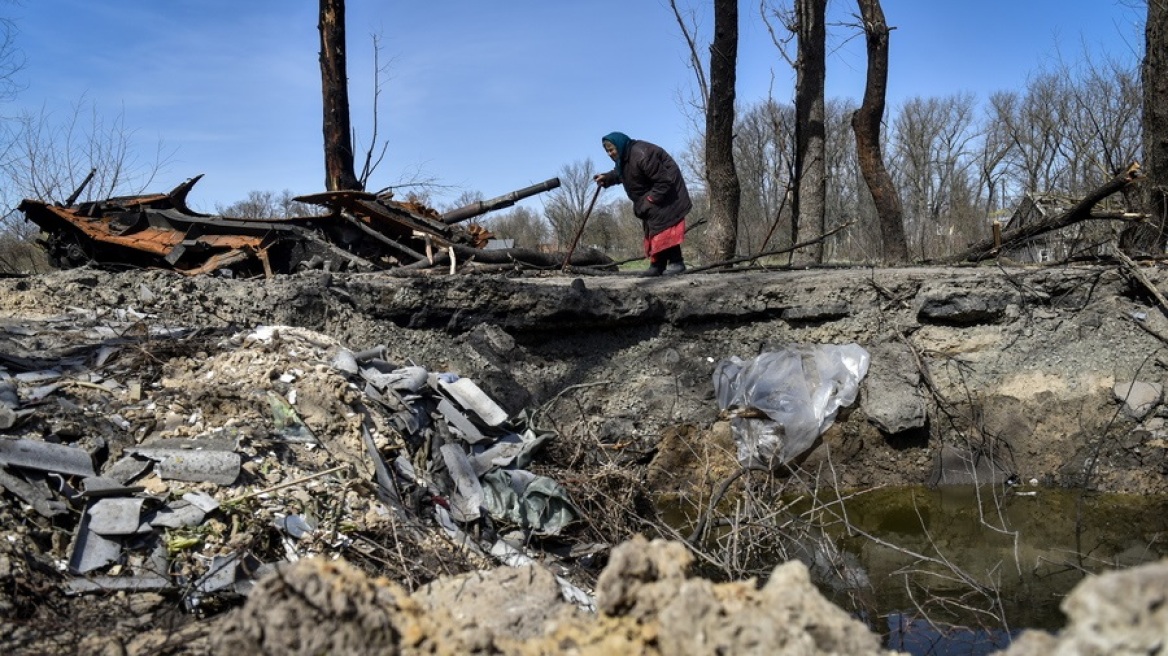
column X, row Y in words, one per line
column 1045, row 376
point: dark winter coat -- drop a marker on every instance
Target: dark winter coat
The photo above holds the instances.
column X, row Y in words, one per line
column 654, row 183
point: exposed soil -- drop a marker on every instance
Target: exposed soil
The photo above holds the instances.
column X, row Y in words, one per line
column 1050, row 375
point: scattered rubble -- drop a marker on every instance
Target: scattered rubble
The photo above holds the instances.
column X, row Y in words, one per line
column 196, row 477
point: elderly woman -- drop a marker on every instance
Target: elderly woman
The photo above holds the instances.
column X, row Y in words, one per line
column 661, row 201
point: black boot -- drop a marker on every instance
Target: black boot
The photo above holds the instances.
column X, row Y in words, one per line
column 655, row 269
column 675, row 264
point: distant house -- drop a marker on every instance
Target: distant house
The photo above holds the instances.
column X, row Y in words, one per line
column 499, row 244
column 1081, row 239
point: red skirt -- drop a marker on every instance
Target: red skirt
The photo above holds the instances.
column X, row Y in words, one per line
column 667, row 238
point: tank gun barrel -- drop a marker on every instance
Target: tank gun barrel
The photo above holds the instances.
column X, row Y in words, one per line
column 497, row 203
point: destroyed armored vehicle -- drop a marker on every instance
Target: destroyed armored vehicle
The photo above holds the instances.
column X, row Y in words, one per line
column 361, row 231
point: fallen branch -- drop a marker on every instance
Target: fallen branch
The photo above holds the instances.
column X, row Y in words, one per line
column 1132, row 269
column 298, row 481
column 751, row 258
column 987, row 248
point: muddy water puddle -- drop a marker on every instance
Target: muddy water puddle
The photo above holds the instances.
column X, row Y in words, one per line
column 958, row 570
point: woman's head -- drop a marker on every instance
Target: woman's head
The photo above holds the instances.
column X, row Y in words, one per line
column 615, row 144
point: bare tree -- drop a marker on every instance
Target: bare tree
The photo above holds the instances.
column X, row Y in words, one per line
column 12, row 59
column 764, row 157
column 847, row 202
column 931, row 145
column 49, row 157
column 689, row 33
column 520, row 224
column 338, row 142
column 375, row 153
column 724, row 187
column 1103, row 121
column 995, row 146
column 809, row 203
column 567, row 203
column 1034, row 122
column 866, row 125
column 267, row 205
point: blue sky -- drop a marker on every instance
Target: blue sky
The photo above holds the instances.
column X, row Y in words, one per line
column 485, row 97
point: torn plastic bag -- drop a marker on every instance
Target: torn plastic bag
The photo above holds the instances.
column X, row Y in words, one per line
column 531, row 502
column 781, row 401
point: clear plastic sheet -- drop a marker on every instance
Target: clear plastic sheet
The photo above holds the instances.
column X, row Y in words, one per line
column 781, row 401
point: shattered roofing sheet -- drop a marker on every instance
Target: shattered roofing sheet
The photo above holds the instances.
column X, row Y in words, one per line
column 45, row 456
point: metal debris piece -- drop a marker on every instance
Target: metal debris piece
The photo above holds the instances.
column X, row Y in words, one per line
column 294, row 525
column 386, row 488
column 44, row 376
column 221, row 574
column 96, row 487
column 46, row 456
column 511, row 450
column 202, row 501
column 405, row 379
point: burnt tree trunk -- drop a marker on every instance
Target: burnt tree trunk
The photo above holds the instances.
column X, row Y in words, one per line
column 1151, row 237
column 866, row 124
column 809, row 206
column 721, row 174
column 338, row 141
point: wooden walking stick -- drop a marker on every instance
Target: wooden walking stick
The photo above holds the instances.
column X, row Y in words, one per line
column 583, row 222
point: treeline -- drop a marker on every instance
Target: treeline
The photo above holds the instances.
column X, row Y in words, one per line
column 959, row 163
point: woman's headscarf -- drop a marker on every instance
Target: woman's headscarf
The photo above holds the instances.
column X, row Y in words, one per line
column 621, row 141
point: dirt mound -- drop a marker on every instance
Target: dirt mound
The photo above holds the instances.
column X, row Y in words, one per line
column 647, row 602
